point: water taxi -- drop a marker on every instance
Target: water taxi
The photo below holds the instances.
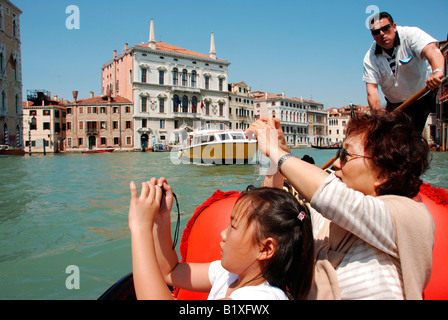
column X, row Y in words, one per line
column 216, row 144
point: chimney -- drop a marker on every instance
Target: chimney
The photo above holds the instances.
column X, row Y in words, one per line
column 212, row 52
column 152, row 38
column 91, row 94
column 115, row 54
column 75, row 95
column 126, row 46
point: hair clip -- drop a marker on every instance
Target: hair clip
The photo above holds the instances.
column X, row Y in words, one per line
column 301, row 215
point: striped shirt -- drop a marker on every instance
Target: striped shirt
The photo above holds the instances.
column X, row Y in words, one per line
column 371, row 268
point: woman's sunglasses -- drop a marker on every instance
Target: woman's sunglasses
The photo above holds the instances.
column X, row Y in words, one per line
column 385, row 29
column 342, row 155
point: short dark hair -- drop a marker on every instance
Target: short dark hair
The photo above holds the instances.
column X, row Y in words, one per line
column 380, row 16
column 400, row 152
column 276, row 213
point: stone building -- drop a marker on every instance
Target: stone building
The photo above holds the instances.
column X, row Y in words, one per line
column 43, row 122
column 99, row 122
column 11, row 128
column 172, row 88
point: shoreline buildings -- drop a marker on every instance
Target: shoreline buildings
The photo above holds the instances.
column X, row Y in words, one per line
column 11, row 127
column 304, row 122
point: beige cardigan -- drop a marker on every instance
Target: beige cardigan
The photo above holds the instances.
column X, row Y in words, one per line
column 414, row 229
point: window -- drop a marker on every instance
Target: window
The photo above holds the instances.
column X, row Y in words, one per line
column 175, row 77
column 46, row 112
column 144, row 103
column 69, row 126
column 81, row 125
column 69, row 110
column 221, row 82
column 184, row 77
column 103, row 124
column 116, row 141
column 207, row 82
column 115, row 125
column 162, row 105
column 161, row 77
column 207, row 108
column 194, row 104
column 144, row 123
column 221, row 109
column 128, row 141
column 193, row 79
column 176, row 103
column 128, row 125
column 46, row 125
column 144, row 71
column 80, row 141
column 102, row 109
column 162, row 123
column 184, row 104
column 103, row 141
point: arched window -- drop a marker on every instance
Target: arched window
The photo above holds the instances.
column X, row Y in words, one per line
column 194, row 104
column 184, row 78
column 185, row 104
column 176, row 103
column 175, row 77
column 193, row 79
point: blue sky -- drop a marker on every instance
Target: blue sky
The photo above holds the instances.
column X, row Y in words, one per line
column 301, row 47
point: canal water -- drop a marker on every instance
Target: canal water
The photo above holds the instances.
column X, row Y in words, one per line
column 67, row 210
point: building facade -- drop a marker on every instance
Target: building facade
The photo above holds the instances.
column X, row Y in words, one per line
column 441, row 119
column 11, row 128
column 99, row 122
column 241, row 106
column 172, row 89
column 338, row 119
column 43, row 123
column 303, row 121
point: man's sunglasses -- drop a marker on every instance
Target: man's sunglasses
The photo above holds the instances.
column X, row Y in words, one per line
column 385, row 29
column 342, row 155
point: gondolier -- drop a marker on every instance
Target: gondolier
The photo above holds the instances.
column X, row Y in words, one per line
column 402, row 60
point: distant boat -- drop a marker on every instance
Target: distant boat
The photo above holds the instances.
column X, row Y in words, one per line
column 98, row 150
column 5, row 150
column 217, row 144
column 335, row 146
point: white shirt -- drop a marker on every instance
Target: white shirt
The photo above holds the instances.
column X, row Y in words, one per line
column 221, row 279
column 412, row 70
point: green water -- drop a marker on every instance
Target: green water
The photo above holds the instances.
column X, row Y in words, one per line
column 62, row 210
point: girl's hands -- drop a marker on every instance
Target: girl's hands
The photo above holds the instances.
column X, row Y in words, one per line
column 151, row 206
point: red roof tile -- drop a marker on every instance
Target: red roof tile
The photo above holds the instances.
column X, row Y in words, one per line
column 161, row 46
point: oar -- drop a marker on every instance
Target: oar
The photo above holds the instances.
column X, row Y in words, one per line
column 402, row 107
column 415, row 97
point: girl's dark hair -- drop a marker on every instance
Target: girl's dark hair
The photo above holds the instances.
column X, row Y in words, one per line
column 400, row 152
column 276, row 213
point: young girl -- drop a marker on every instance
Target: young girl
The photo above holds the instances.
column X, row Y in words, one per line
column 267, row 249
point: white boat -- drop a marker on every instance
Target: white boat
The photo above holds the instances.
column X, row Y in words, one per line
column 215, row 143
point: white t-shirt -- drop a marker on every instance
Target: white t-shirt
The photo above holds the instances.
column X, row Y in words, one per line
column 221, row 279
column 411, row 69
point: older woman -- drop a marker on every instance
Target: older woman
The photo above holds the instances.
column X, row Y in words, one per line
column 373, row 241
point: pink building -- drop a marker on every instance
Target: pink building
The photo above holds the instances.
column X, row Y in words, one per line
column 172, row 89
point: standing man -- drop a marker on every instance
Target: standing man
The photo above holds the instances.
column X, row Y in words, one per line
column 402, row 60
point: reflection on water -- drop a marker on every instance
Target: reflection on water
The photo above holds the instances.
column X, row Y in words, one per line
column 59, row 210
